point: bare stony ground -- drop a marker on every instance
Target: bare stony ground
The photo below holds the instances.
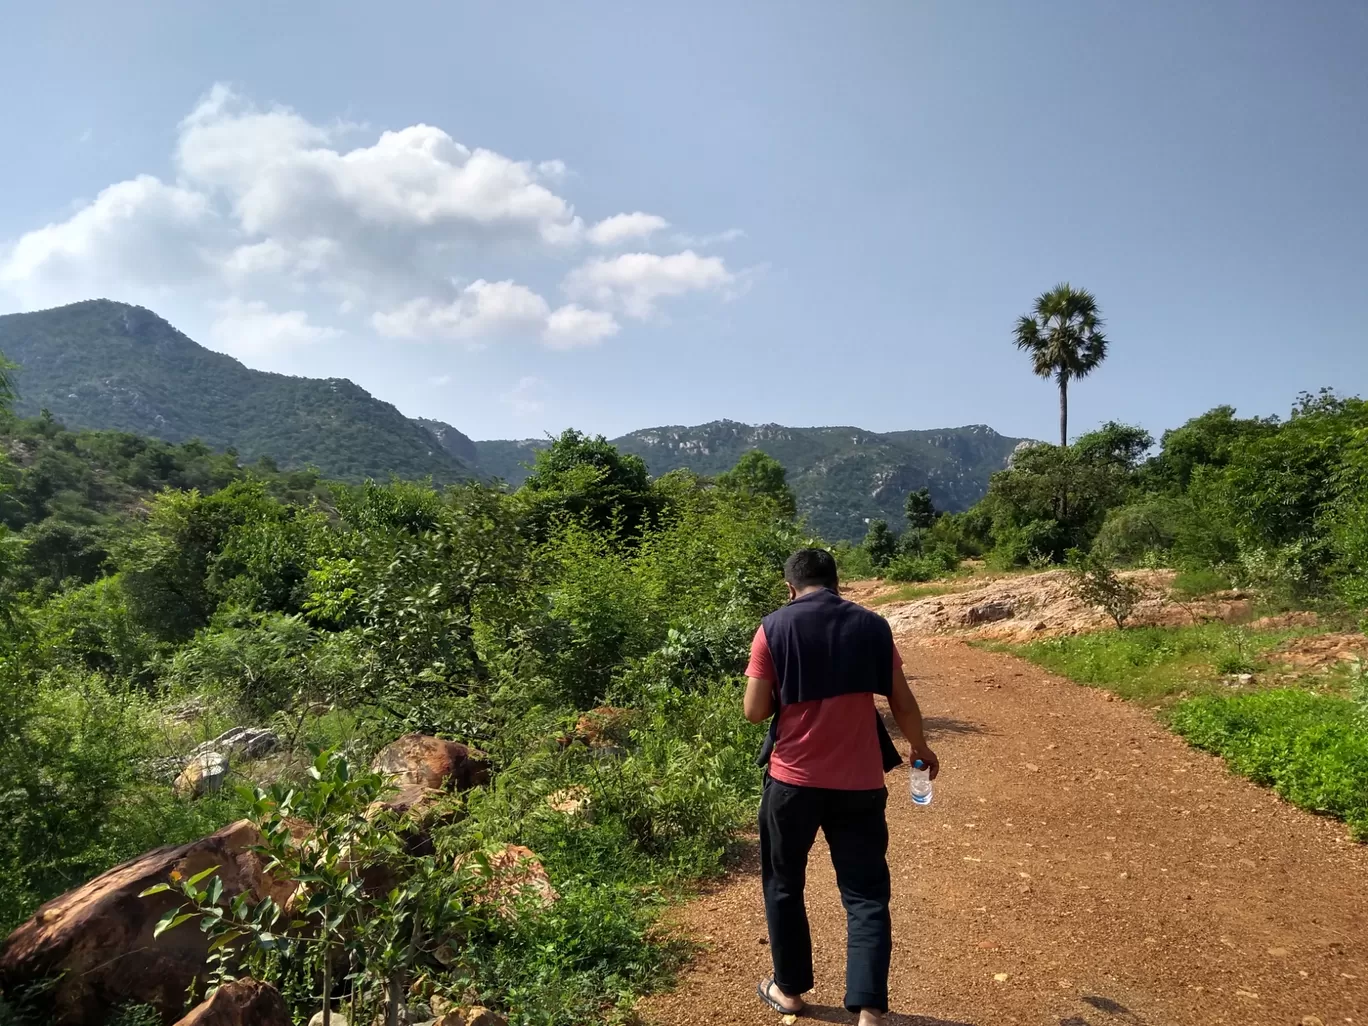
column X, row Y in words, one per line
column 1079, row 866
column 1024, row 607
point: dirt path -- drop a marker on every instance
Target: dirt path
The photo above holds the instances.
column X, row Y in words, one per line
column 1079, row 867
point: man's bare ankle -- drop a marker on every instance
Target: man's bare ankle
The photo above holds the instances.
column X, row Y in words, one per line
column 791, row 1002
column 871, row 1017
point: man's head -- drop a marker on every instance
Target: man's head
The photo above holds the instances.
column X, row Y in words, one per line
column 810, row 569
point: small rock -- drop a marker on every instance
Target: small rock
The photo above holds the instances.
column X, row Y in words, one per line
column 1125, row 876
column 1032, row 767
column 420, row 1011
column 1279, row 952
column 337, row 1019
column 1001, row 977
column 989, row 612
column 515, row 875
column 1312, row 1020
column 422, row 760
column 243, row 1002
column 607, row 727
column 242, row 743
column 479, row 1016
column 202, row 775
column 1245, row 678
column 1247, row 994
column 441, row 1004
column 570, row 801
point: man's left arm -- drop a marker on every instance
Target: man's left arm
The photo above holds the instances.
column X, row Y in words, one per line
column 758, row 704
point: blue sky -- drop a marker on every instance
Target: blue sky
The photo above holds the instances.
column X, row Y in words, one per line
column 836, row 210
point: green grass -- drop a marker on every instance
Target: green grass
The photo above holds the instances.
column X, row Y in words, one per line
column 1311, row 749
column 1154, row 665
column 1196, row 583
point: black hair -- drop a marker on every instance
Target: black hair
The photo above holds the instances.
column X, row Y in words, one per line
column 809, row 568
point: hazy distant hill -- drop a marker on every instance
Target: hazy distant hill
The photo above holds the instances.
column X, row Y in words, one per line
column 843, row 476
column 101, row 364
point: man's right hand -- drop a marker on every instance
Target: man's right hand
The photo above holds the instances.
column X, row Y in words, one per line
column 926, row 755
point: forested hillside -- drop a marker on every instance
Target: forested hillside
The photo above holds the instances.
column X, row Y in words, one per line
column 109, row 366
column 112, row 366
column 842, row 476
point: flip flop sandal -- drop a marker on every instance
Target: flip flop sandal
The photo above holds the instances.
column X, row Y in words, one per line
column 762, row 990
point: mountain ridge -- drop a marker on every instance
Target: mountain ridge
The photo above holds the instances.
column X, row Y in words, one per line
column 842, row 476
column 102, row 364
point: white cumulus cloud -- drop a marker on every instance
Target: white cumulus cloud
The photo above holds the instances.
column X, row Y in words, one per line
column 619, row 228
column 141, row 234
column 249, row 327
column 484, row 311
column 635, row 282
column 276, row 225
column 572, row 326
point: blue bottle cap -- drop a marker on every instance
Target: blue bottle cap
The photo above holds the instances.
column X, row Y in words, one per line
column 919, row 765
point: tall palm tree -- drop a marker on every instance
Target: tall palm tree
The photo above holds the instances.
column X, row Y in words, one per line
column 1063, row 334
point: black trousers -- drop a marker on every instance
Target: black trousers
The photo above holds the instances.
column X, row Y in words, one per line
column 857, row 834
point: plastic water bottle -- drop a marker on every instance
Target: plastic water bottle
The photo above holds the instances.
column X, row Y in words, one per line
column 919, row 782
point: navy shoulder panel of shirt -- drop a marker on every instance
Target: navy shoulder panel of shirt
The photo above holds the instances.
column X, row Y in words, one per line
column 823, row 646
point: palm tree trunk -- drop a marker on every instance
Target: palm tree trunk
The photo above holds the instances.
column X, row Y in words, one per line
column 1063, row 413
column 1064, row 442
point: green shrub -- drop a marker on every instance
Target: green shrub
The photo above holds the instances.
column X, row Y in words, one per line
column 1311, row 749
column 937, row 561
column 78, row 793
column 1094, row 582
column 1141, row 529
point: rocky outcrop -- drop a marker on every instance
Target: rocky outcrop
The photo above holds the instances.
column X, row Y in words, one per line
column 97, row 942
column 241, row 1003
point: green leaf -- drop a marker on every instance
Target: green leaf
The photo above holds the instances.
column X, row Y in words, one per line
column 170, row 921
column 154, row 889
column 224, row 939
column 202, row 875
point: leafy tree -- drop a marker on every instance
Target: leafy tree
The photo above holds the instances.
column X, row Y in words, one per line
column 1063, row 335
column 588, row 480
column 880, row 543
column 757, row 474
column 1097, row 474
column 921, row 516
column 1204, row 441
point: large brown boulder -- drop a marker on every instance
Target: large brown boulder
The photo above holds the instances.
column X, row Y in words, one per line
column 425, row 761
column 241, row 1003
column 98, row 937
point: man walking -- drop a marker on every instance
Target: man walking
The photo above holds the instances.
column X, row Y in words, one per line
column 816, row 665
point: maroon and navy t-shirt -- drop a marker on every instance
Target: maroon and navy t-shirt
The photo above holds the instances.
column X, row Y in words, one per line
column 831, row 743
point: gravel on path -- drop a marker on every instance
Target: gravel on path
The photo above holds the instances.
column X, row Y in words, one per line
column 1079, row 866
